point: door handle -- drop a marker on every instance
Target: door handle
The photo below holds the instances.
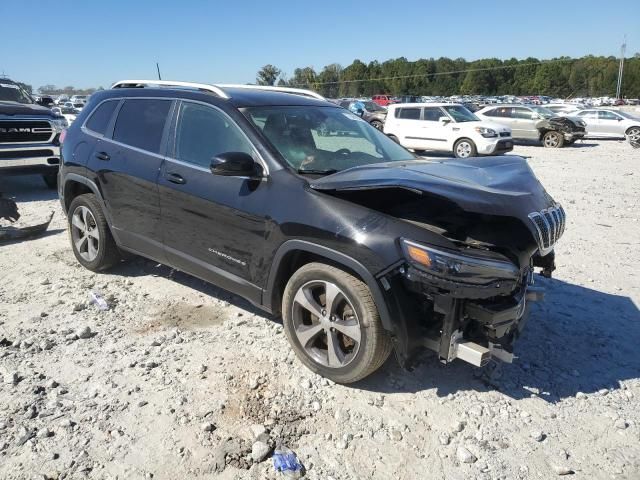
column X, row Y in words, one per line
column 103, row 156
column 175, row 178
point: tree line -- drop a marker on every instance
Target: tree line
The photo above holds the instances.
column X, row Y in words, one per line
column 562, row 77
column 69, row 90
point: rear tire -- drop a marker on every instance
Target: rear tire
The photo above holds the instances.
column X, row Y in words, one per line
column 553, row 139
column 51, row 180
column 465, row 148
column 91, row 240
column 346, row 312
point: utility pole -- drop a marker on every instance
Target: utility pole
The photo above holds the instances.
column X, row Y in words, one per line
column 158, row 68
column 621, row 68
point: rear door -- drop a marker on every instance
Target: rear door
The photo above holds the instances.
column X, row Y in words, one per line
column 214, row 226
column 127, row 164
column 408, row 120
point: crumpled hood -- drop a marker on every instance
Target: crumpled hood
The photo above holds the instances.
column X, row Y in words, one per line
column 503, row 186
column 15, row 108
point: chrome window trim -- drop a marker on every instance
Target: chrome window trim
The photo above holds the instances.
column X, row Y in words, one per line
column 88, row 131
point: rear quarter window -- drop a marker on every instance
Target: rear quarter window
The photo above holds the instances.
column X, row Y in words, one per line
column 140, row 123
column 101, row 116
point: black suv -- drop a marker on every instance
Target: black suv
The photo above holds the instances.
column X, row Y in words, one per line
column 360, row 246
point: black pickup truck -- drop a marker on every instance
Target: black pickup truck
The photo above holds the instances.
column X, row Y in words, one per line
column 29, row 135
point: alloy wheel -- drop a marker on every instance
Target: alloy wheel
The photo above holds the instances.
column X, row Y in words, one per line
column 85, row 234
column 326, row 324
column 551, row 140
column 463, row 150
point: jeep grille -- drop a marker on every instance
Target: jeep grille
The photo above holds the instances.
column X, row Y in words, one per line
column 549, row 225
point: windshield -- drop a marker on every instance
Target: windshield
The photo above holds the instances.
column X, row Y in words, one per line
column 542, row 111
column 324, row 140
column 373, row 107
column 13, row 93
column 627, row 115
column 460, row 113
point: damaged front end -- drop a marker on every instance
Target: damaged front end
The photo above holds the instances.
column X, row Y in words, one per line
column 471, row 300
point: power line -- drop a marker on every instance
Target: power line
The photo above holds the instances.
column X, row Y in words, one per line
column 435, row 74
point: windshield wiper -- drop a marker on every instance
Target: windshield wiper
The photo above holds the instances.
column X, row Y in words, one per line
column 328, row 171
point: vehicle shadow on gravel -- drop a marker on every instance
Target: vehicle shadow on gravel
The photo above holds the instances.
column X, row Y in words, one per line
column 26, row 188
column 140, row 267
column 577, row 340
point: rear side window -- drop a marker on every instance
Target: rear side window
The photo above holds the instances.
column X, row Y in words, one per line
column 99, row 119
column 408, row 113
column 140, row 123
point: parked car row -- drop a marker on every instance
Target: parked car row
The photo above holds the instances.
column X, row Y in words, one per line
column 451, row 127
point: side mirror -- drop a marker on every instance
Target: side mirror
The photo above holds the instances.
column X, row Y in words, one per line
column 360, row 112
column 235, row 164
column 444, row 120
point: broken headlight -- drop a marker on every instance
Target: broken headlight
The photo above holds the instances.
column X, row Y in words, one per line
column 486, row 132
column 457, row 266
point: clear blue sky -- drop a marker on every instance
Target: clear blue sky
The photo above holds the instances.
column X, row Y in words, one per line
column 93, row 43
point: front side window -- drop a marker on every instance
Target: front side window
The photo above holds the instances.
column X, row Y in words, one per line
column 408, row 113
column 522, row 113
column 604, row 115
column 432, row 114
column 460, row 114
column 204, row 132
column 323, row 139
column 99, row 119
column 140, row 123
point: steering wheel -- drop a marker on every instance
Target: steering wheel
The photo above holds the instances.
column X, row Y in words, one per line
column 343, row 151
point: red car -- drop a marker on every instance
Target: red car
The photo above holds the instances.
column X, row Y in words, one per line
column 382, row 100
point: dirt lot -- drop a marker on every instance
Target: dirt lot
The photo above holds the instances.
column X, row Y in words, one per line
column 178, row 378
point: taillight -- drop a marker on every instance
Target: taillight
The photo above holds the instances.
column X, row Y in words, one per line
column 63, row 135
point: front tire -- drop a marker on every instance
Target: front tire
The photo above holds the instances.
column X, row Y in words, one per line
column 465, row 148
column 91, row 240
column 553, row 139
column 332, row 323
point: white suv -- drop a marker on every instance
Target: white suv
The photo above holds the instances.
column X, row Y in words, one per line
column 445, row 127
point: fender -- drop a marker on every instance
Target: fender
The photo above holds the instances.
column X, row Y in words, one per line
column 69, row 177
column 339, row 258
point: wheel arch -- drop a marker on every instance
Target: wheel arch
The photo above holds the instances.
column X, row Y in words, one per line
column 626, row 132
column 293, row 254
column 75, row 185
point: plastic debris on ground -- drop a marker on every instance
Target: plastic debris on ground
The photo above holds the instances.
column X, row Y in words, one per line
column 98, row 300
column 285, row 461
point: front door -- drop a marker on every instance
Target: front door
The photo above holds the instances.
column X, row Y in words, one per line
column 127, row 166
column 609, row 124
column 434, row 133
column 214, row 226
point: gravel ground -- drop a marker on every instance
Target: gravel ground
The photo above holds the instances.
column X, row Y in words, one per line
column 179, row 379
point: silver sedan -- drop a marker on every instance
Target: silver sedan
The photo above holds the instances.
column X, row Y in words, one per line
column 609, row 123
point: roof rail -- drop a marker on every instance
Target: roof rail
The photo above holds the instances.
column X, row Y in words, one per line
column 169, row 83
column 296, row 91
